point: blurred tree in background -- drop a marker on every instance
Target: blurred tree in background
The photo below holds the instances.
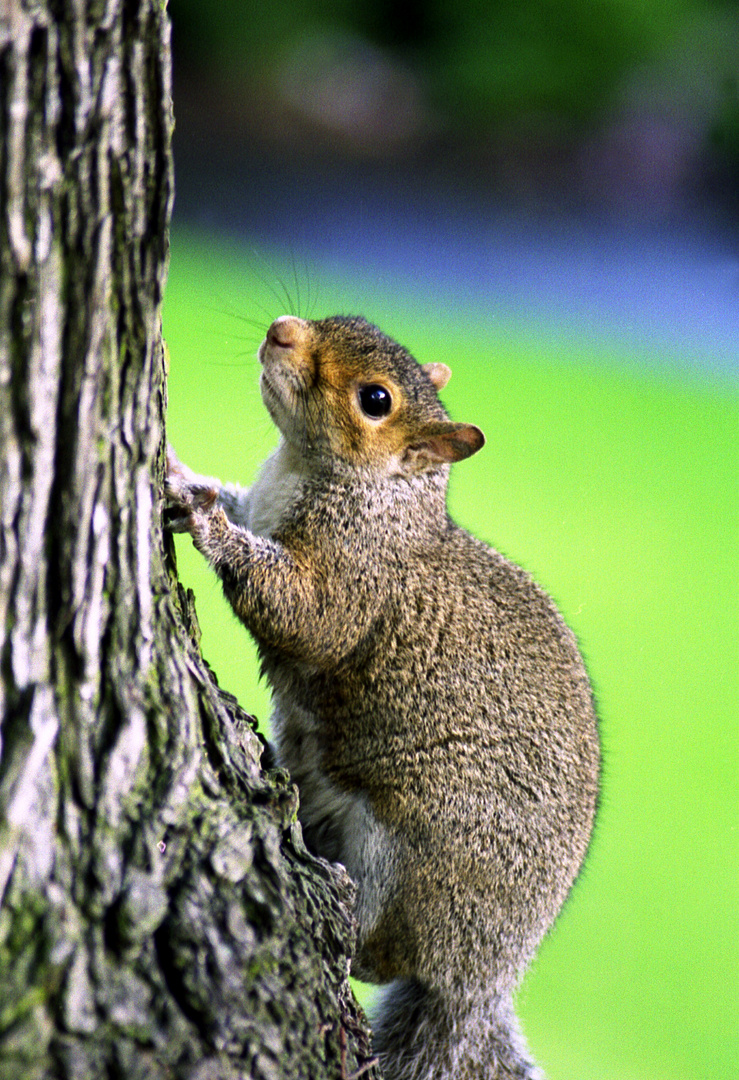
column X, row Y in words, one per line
column 626, row 89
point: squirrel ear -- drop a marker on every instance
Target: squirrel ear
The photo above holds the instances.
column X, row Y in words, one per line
column 444, row 443
column 439, row 374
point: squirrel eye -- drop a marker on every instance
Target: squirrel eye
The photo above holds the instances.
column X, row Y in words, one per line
column 375, row 400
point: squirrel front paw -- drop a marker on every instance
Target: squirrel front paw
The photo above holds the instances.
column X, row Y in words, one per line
column 186, row 505
column 185, row 499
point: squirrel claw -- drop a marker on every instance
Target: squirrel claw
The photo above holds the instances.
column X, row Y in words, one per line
column 183, row 500
column 175, row 521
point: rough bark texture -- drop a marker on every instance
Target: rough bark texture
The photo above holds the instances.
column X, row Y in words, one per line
column 159, row 915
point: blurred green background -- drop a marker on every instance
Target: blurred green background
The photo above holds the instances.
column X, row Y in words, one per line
column 358, row 158
column 624, row 98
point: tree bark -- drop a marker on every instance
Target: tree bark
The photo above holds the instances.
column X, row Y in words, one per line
column 159, row 914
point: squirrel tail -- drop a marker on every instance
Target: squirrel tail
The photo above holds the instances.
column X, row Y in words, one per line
column 421, row 1033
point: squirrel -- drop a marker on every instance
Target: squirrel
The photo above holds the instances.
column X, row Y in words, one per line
column 428, row 698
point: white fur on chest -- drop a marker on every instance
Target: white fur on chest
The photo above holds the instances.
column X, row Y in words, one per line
column 275, row 491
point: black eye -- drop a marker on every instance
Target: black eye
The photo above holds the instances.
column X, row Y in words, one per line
column 375, row 400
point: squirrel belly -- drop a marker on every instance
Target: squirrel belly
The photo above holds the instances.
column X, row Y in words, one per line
column 428, row 699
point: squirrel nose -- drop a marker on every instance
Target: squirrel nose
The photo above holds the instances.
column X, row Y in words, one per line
column 285, row 332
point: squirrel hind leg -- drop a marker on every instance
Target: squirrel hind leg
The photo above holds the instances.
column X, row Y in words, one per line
column 421, row 1033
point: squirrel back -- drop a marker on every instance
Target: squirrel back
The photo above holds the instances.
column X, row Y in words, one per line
column 429, row 700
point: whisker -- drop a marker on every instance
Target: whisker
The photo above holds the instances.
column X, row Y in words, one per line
column 263, row 323
column 297, row 282
column 288, row 298
column 258, row 324
column 307, row 289
column 316, row 299
column 237, row 359
column 268, row 284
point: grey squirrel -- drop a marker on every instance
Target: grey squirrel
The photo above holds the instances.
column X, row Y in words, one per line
column 429, row 700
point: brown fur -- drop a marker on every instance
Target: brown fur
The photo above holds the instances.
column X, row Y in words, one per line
column 429, row 700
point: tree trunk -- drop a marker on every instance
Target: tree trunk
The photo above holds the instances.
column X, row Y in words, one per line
column 159, row 914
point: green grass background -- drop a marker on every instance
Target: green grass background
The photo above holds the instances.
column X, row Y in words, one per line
column 615, row 483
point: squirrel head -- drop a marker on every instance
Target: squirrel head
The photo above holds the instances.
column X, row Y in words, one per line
column 341, row 388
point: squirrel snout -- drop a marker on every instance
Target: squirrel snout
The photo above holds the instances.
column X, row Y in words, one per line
column 286, row 332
